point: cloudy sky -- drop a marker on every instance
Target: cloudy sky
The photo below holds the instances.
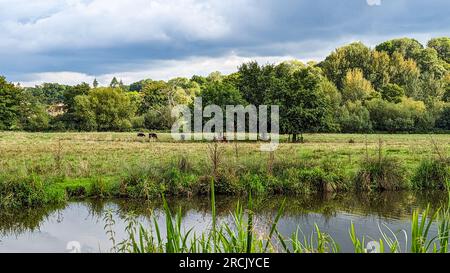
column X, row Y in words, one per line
column 70, row 41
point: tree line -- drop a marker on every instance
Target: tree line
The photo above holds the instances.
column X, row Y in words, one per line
column 398, row 86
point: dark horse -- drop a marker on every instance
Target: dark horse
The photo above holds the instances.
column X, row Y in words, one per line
column 153, row 136
column 141, row 135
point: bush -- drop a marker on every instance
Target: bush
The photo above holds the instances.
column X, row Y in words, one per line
column 179, row 182
column 381, row 174
column 27, row 192
column 158, row 119
column 254, row 183
column 443, row 121
column 138, row 183
column 146, row 189
column 138, row 122
column 431, row 174
column 355, row 118
column 406, row 116
column 228, row 183
column 37, row 120
column 392, row 93
column 76, row 191
column 98, row 188
column 302, row 181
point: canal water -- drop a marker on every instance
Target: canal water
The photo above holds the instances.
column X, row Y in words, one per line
column 80, row 226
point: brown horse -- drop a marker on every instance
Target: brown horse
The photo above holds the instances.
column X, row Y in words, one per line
column 140, row 134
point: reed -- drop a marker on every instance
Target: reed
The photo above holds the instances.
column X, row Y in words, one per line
column 239, row 235
column 420, row 228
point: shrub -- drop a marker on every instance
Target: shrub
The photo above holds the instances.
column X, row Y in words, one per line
column 408, row 115
column 76, row 191
column 254, row 183
column 392, row 93
column 146, row 189
column 336, row 176
column 27, row 192
column 98, row 188
column 138, row 122
column 228, row 183
column 354, row 117
column 138, row 183
column 444, row 120
column 204, row 184
column 159, row 119
column 297, row 181
column 431, row 174
column 381, row 174
column 180, row 183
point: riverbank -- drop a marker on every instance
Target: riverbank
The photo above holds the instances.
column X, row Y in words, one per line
column 46, row 168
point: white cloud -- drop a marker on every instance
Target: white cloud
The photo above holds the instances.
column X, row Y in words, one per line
column 66, row 77
column 157, row 70
column 374, row 2
column 72, row 24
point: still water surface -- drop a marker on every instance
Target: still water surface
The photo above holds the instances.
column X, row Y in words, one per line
column 51, row 229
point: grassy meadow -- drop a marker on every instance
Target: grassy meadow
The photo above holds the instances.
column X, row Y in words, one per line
column 40, row 168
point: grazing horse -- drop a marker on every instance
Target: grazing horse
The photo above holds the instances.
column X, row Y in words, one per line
column 141, row 134
column 153, row 136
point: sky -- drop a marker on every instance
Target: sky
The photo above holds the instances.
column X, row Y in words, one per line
column 71, row 41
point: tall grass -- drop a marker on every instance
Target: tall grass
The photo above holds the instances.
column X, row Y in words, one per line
column 433, row 172
column 381, row 173
column 226, row 238
column 444, row 227
column 29, row 191
column 420, row 228
column 239, row 235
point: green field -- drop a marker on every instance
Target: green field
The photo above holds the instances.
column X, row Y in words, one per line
column 69, row 165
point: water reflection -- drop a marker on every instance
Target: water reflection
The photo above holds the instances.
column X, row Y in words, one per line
column 49, row 229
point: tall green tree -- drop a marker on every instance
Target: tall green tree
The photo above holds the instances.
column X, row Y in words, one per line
column 442, row 47
column 356, row 87
column 426, row 58
column 48, row 93
column 405, row 73
column 303, row 105
column 104, row 109
column 429, row 62
column 70, row 93
column 380, row 69
column 154, row 96
column 344, row 59
column 446, row 96
column 138, row 86
column 409, row 48
column 33, row 113
column 392, row 93
column 255, row 81
column 11, row 99
column 221, row 94
column 443, row 122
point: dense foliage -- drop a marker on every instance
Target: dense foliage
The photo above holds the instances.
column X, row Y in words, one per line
column 399, row 86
